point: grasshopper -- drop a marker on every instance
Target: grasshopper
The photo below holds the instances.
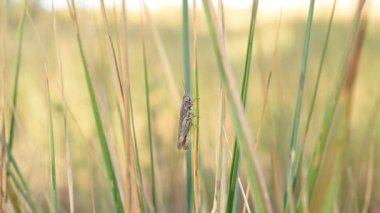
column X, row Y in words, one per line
column 185, row 122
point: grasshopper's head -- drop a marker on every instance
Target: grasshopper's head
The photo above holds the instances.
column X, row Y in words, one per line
column 187, row 101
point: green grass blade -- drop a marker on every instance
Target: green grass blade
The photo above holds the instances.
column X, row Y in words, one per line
column 196, row 144
column 22, row 192
column 14, row 106
column 315, row 92
column 245, row 138
column 197, row 199
column 11, row 193
column 99, row 124
column 304, row 69
column 320, row 68
column 23, row 183
column 332, row 105
column 232, row 186
column 294, row 149
column 15, row 85
column 299, row 157
column 147, row 99
column 52, row 152
column 189, row 90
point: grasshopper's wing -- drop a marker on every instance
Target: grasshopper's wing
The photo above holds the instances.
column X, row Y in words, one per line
column 184, row 131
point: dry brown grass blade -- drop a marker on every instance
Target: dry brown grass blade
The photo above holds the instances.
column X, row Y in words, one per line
column 219, row 161
column 123, row 88
column 218, row 194
column 112, row 48
column 347, row 98
column 353, row 62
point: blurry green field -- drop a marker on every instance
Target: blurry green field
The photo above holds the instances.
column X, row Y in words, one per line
column 91, row 187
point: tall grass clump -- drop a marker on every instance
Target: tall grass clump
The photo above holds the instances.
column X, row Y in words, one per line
column 279, row 107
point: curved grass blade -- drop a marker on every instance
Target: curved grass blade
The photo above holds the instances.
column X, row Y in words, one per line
column 15, row 85
column 99, row 124
column 244, row 92
column 245, row 138
column 14, row 106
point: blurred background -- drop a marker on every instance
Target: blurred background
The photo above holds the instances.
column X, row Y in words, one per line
column 277, row 49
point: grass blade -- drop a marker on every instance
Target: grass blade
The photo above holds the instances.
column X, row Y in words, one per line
column 133, row 160
column 14, row 106
column 245, row 138
column 23, row 193
column 298, row 160
column 52, row 149
column 320, row 68
column 147, row 98
column 189, row 90
column 196, row 146
column 140, row 184
column 99, row 124
column 244, row 92
column 220, row 160
column 70, row 185
column 294, row 149
column 15, row 85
